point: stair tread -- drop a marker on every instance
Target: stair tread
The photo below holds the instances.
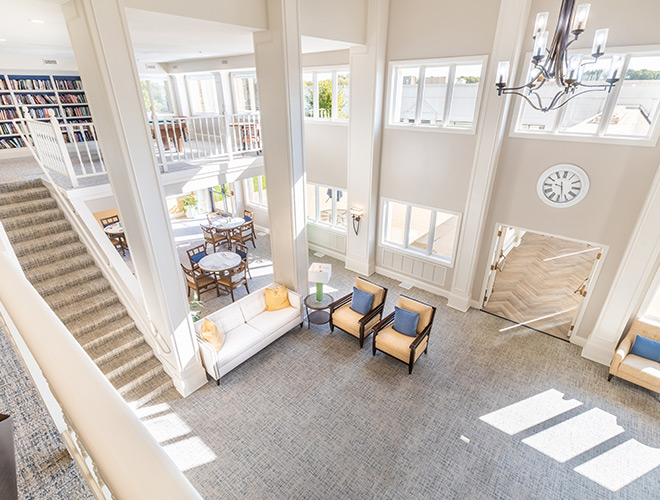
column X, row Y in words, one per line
column 50, row 214
column 27, row 207
column 88, row 306
column 138, row 359
column 16, row 197
column 127, row 340
column 88, row 289
column 27, row 247
column 54, row 255
column 106, row 330
column 52, row 270
column 7, row 187
column 73, row 278
column 37, row 231
column 103, row 319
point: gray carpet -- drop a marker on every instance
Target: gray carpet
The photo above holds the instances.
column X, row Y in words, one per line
column 313, row 416
column 44, row 467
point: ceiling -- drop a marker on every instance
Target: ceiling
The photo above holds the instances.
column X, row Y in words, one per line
column 156, row 37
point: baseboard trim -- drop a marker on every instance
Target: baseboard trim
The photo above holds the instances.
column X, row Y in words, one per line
column 331, row 253
column 414, row 281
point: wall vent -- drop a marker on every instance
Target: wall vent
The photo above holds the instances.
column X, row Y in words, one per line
column 150, row 66
column 49, row 62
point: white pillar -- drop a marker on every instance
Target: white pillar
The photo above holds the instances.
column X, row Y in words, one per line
column 277, row 54
column 102, row 46
column 633, row 278
column 507, row 45
column 368, row 74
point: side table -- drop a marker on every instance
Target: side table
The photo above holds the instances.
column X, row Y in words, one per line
column 318, row 316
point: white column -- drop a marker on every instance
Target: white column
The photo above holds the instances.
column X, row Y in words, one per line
column 277, row 54
column 511, row 25
column 104, row 53
column 633, row 278
column 368, row 75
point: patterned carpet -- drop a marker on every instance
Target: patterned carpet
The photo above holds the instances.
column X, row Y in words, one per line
column 44, row 468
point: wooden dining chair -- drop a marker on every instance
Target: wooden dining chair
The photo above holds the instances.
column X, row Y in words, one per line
column 233, row 279
column 242, row 250
column 195, row 254
column 117, row 240
column 200, row 281
column 244, row 233
column 248, row 215
column 211, row 216
column 214, row 237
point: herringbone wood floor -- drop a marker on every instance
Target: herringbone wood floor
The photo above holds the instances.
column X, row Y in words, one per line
column 530, row 288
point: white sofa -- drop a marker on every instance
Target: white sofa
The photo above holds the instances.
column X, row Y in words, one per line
column 249, row 328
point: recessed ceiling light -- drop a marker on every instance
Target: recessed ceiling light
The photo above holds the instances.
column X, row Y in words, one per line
column 37, row 21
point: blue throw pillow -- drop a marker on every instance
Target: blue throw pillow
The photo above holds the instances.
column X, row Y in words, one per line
column 646, row 348
column 405, row 321
column 241, row 253
column 198, row 257
column 361, row 302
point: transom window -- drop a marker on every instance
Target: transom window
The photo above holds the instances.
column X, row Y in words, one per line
column 327, row 205
column 244, row 88
column 255, row 188
column 628, row 111
column 326, row 94
column 202, row 94
column 157, row 95
column 420, row 230
column 441, row 93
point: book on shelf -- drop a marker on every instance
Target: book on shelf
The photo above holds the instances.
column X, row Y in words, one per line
column 30, row 83
column 36, row 99
column 73, row 99
column 44, row 112
column 7, row 128
column 8, row 114
column 5, row 100
column 77, row 111
column 68, row 84
column 11, row 143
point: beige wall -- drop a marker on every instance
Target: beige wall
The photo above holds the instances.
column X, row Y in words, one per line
column 326, row 153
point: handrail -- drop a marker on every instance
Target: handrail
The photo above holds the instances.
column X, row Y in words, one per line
column 127, row 457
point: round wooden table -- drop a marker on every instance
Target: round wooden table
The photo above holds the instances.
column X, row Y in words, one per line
column 219, row 262
column 114, row 229
column 318, row 316
column 227, row 223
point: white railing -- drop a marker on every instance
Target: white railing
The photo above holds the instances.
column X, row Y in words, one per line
column 119, row 457
column 83, row 147
column 245, row 132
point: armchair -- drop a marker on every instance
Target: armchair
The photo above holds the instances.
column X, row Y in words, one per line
column 402, row 347
column 640, row 371
column 346, row 319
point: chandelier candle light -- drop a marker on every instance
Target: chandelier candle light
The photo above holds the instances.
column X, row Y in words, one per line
column 555, row 65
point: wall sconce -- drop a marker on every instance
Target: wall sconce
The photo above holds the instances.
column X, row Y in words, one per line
column 356, row 215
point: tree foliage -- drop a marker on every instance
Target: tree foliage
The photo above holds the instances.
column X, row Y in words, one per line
column 325, row 97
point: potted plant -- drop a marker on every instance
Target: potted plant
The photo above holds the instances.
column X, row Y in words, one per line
column 196, row 307
column 190, row 206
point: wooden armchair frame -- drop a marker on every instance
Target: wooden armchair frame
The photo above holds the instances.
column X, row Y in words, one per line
column 244, row 233
column 378, row 310
column 240, row 248
column 199, row 281
column 214, row 237
column 118, row 240
column 195, row 251
column 414, row 344
column 227, row 283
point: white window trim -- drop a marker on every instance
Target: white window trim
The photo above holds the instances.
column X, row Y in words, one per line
column 316, row 220
column 251, row 90
column 452, row 62
column 247, row 188
column 557, row 135
column 334, row 70
column 202, row 76
column 168, row 84
column 405, row 249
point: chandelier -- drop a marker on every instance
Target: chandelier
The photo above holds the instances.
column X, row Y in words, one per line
column 556, row 66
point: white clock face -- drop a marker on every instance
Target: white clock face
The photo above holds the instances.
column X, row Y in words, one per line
column 563, row 185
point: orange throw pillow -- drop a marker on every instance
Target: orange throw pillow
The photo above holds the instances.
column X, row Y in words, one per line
column 212, row 335
column 277, row 298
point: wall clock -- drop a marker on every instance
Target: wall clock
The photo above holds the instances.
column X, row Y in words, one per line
column 563, row 185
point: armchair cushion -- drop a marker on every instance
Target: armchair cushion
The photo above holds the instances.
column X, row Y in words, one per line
column 646, row 348
column 361, row 301
column 377, row 291
column 395, row 344
column 197, row 257
column 640, row 371
column 348, row 320
column 405, row 321
column 425, row 311
column 212, row 335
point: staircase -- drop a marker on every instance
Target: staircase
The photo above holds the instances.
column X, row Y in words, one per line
column 65, row 275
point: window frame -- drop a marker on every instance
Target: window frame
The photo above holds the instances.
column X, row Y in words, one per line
column 405, row 248
column 316, row 220
column 202, row 76
column 170, row 94
column 247, row 190
column 600, row 137
column 452, row 62
column 334, row 70
column 252, row 91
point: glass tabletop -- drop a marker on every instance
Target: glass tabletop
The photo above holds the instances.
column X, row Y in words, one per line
column 310, row 301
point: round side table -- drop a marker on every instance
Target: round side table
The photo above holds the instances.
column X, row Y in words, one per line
column 318, row 316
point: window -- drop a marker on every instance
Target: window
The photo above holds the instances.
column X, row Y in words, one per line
column 244, row 88
column 440, row 93
column 326, row 94
column 420, row 230
column 628, row 111
column 256, row 191
column 202, row 94
column 327, row 205
column 157, row 95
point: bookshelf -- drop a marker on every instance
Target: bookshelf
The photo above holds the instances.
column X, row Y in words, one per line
column 44, row 96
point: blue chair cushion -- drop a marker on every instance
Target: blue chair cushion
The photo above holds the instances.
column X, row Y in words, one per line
column 197, row 257
column 646, row 348
column 405, row 321
column 247, row 219
column 361, row 301
column 241, row 253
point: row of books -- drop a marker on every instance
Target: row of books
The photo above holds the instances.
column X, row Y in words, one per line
column 11, row 143
column 5, row 99
column 8, row 114
column 79, row 136
column 73, row 98
column 36, row 99
column 77, row 111
column 30, row 84
column 7, row 128
column 68, row 84
column 44, row 112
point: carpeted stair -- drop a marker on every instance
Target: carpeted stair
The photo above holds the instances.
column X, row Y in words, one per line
column 59, row 267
